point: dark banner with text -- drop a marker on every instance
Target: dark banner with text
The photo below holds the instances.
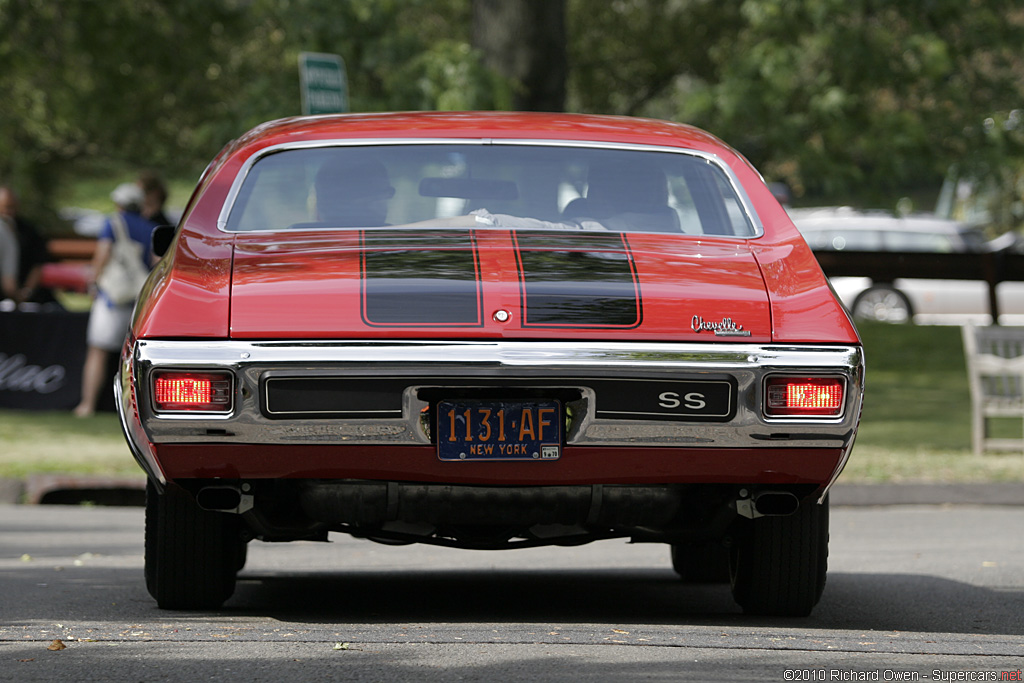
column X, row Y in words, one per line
column 41, row 357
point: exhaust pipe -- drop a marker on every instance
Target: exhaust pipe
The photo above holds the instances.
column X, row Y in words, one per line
column 767, row 504
column 223, row 499
column 775, row 503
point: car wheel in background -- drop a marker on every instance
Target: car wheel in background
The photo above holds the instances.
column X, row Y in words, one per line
column 192, row 555
column 884, row 304
column 701, row 562
column 779, row 563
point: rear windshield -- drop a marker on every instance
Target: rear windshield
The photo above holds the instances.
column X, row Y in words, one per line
column 497, row 185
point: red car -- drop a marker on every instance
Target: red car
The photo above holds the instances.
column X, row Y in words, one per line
column 489, row 330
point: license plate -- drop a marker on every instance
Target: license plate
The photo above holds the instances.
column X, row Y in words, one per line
column 499, row 430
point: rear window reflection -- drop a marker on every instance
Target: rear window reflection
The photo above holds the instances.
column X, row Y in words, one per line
column 519, row 186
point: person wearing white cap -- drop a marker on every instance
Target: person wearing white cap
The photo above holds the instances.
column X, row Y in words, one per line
column 123, row 257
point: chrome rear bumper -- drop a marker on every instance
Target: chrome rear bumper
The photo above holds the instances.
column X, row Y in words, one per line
column 490, row 364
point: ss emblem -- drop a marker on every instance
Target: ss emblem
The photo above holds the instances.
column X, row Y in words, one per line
column 692, row 400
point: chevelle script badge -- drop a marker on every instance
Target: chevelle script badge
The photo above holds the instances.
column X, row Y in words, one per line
column 725, row 328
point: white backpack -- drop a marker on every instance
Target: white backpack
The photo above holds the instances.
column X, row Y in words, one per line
column 125, row 273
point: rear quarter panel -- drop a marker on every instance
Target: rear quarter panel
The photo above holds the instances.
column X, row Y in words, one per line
column 803, row 307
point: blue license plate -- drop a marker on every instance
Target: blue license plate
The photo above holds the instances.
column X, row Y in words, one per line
column 499, row 430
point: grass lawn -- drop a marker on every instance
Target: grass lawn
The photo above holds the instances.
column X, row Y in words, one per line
column 916, row 424
column 917, row 411
column 58, row 443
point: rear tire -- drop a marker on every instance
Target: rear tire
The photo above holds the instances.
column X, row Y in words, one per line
column 779, row 563
column 192, row 555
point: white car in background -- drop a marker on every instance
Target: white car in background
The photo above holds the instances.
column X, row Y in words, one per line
column 936, row 301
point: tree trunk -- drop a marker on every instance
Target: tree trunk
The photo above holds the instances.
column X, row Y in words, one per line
column 525, row 41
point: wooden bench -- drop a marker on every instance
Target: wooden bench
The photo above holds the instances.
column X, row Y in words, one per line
column 995, row 369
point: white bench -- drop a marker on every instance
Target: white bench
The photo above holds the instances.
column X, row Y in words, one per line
column 995, row 369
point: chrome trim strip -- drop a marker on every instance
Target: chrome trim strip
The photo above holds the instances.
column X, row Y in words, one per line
column 839, row 470
column 492, row 361
column 236, row 185
column 142, row 454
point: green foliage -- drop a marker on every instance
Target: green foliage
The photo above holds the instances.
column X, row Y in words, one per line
column 988, row 188
column 90, row 81
column 95, row 85
column 861, row 100
column 628, row 57
column 839, row 98
column 449, row 75
column 836, row 96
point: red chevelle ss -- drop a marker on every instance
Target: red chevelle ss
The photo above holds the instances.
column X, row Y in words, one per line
column 489, row 330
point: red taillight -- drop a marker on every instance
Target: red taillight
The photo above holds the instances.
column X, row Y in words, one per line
column 192, row 391
column 804, row 396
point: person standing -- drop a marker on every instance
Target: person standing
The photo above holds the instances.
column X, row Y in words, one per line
column 111, row 311
column 8, row 261
column 32, row 251
column 154, row 196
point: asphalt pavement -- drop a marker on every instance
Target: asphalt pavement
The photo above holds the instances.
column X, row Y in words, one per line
column 915, row 592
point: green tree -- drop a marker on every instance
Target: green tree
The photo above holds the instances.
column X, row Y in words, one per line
column 399, row 54
column 91, row 80
column 165, row 84
column 839, row 97
column 630, row 56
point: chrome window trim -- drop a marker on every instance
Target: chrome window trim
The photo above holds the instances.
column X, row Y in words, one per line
column 492, row 361
column 737, row 187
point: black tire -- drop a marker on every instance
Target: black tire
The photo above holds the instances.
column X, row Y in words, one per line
column 241, row 556
column 701, row 562
column 779, row 563
column 192, row 555
column 885, row 304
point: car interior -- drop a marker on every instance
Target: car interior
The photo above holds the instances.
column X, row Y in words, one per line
column 368, row 186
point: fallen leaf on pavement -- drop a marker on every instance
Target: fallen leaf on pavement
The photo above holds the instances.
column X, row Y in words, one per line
column 57, row 645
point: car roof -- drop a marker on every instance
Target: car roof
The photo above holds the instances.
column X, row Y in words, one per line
column 480, row 125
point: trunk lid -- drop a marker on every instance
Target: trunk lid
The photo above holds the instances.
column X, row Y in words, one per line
column 478, row 284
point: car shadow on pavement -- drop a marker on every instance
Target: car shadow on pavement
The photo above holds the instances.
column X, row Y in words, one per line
column 855, row 601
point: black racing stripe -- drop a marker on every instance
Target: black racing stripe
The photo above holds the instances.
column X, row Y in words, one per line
column 573, row 240
column 427, row 285
column 592, row 285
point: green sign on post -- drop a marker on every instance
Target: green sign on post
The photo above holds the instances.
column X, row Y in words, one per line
column 324, row 86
